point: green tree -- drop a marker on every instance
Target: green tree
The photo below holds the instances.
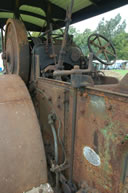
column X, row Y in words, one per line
column 80, row 39
column 114, row 30
column 121, row 45
column 112, row 27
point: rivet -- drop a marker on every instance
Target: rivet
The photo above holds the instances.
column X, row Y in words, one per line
column 49, row 99
column 110, row 107
column 58, row 106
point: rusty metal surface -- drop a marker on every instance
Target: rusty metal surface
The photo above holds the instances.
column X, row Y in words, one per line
column 16, row 52
column 101, row 128
column 22, row 156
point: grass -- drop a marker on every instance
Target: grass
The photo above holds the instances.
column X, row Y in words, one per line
column 122, row 72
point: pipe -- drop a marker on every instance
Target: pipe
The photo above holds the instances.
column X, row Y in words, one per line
column 51, row 123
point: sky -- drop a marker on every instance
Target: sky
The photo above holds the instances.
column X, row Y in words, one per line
column 93, row 22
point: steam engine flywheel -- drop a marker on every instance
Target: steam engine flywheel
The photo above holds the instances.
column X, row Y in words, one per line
column 16, row 49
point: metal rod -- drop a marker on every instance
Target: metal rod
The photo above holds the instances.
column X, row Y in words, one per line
column 69, row 72
column 53, row 49
column 68, row 21
column 74, row 114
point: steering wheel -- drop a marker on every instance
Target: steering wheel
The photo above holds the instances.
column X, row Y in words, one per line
column 102, row 49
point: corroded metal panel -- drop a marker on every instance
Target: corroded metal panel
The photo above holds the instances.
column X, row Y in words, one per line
column 102, row 126
column 101, row 136
column 22, row 156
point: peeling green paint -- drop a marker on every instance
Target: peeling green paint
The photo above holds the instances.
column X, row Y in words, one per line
column 97, row 103
column 109, row 133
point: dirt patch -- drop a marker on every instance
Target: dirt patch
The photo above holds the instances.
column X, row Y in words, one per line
column 113, row 74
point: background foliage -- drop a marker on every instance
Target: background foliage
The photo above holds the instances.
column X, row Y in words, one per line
column 113, row 29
